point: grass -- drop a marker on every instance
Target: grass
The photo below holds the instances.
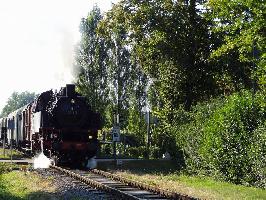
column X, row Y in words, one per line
column 200, row 187
column 16, row 185
column 166, row 175
column 15, row 154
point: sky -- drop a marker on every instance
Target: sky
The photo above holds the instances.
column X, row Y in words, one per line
column 37, row 39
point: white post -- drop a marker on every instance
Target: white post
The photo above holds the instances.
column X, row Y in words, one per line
column 41, row 145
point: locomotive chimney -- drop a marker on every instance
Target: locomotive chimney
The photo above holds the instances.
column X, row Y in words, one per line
column 70, row 90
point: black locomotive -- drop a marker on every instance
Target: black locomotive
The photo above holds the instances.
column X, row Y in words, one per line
column 61, row 124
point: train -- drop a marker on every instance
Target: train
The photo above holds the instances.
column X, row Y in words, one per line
column 60, row 124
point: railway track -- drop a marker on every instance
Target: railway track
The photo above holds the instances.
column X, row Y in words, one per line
column 120, row 187
column 68, row 188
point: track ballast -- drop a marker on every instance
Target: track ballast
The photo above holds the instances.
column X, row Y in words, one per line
column 120, row 187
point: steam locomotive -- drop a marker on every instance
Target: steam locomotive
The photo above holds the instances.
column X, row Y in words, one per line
column 61, row 124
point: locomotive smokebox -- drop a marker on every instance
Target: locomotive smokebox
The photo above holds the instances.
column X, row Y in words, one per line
column 70, row 90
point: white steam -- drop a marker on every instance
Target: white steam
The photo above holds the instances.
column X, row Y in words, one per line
column 66, row 70
column 91, row 163
column 41, row 161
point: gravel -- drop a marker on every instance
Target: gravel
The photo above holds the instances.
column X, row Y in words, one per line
column 68, row 188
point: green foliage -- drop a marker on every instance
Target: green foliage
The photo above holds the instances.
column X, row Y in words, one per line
column 126, row 80
column 17, row 185
column 155, row 152
column 261, row 73
column 17, row 100
column 136, row 125
column 172, row 43
column 91, row 56
column 226, row 138
column 109, row 77
column 5, row 167
column 243, row 22
column 231, row 143
column 241, row 27
column 137, row 152
column 178, row 58
column 15, row 154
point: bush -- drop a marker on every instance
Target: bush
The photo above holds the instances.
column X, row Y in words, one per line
column 226, row 138
column 189, row 135
column 137, row 152
column 155, row 152
column 5, row 167
column 134, row 152
column 230, row 143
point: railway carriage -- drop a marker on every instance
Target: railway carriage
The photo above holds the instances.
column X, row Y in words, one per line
column 3, row 128
column 15, row 127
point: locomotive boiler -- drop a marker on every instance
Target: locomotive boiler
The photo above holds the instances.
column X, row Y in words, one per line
column 61, row 124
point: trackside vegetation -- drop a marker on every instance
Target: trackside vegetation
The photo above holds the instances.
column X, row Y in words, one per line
column 167, row 175
column 16, row 185
column 197, row 66
column 225, row 138
column 197, row 186
column 15, row 154
column 16, row 101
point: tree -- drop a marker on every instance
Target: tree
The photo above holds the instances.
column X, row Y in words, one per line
column 242, row 27
column 17, row 100
column 172, row 43
column 91, row 58
column 126, row 80
column 163, row 46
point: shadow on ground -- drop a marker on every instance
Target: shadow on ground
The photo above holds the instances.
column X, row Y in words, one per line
column 4, row 195
column 143, row 166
